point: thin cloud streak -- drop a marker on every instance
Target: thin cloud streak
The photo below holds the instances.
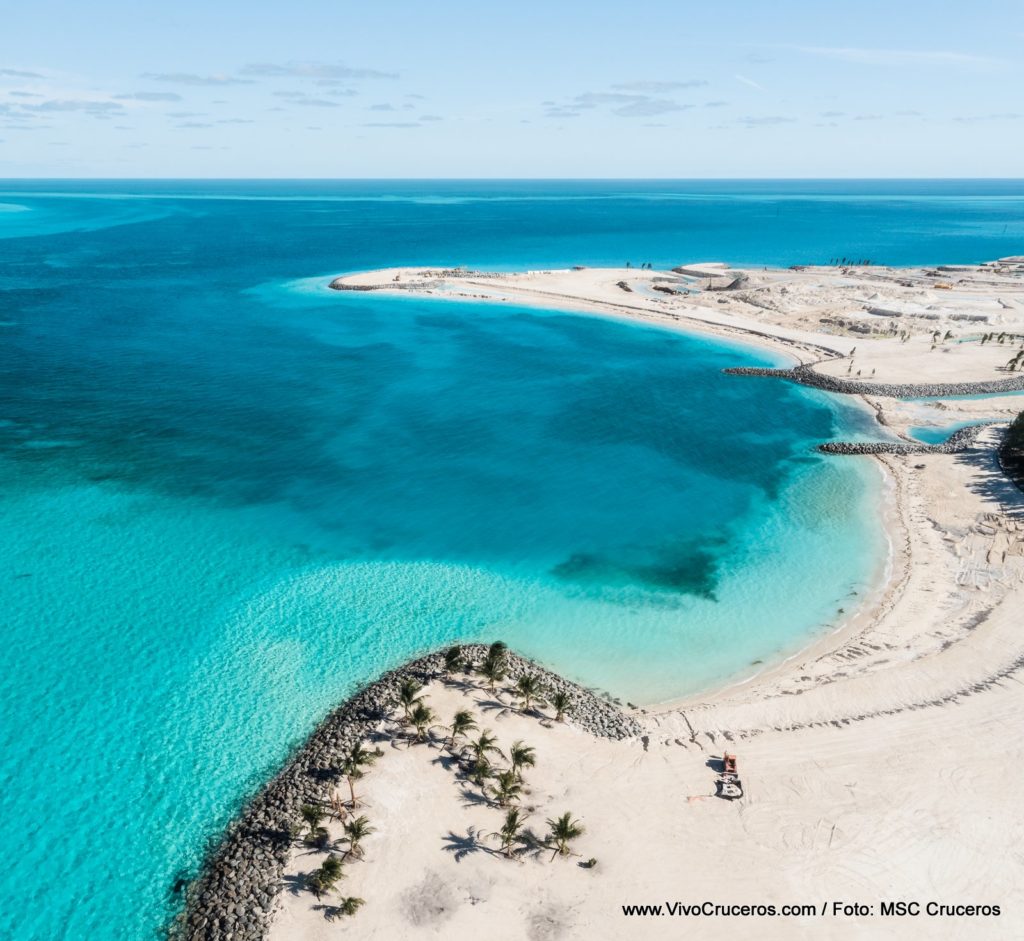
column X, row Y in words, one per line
column 749, row 81
column 191, row 78
column 320, row 70
column 149, row 96
column 899, row 58
column 660, row 86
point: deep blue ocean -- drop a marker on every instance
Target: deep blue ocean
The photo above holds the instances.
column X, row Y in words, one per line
column 228, row 494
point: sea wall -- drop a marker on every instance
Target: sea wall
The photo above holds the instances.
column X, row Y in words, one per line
column 234, row 896
column 961, row 440
column 806, row 376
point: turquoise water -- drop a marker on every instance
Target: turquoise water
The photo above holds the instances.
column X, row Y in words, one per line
column 230, row 494
column 936, row 434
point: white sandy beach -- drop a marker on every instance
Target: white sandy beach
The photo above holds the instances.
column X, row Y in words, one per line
column 881, row 764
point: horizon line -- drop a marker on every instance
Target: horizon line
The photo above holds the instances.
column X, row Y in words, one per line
column 517, row 179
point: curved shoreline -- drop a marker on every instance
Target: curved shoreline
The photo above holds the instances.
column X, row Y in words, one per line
column 978, row 653
column 234, row 895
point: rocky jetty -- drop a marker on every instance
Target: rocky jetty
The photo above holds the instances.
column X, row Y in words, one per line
column 960, row 440
column 234, row 897
column 805, row 375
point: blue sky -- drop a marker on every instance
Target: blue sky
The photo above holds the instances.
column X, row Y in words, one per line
column 458, row 89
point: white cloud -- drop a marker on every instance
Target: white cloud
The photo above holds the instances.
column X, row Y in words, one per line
column 319, row 70
column 766, row 120
column 18, row 73
column 76, row 104
column 149, row 96
column 191, row 78
column 898, row 57
column 659, row 87
column 1001, row 116
column 648, row 108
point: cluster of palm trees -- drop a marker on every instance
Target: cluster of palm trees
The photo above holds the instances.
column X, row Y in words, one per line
column 505, row 786
column 356, row 828
column 529, row 688
column 480, row 758
column 1000, row 337
column 415, row 711
column 845, row 262
column 479, row 755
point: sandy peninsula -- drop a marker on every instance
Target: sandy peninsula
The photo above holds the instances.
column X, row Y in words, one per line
column 880, row 765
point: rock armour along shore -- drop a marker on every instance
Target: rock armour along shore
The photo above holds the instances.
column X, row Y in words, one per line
column 234, row 896
column 805, row 375
column 960, row 440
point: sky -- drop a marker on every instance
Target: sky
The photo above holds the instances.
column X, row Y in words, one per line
column 648, row 89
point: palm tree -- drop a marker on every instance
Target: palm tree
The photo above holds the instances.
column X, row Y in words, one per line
column 356, row 830
column 562, row 831
column 453, row 659
column 422, row 717
column 353, row 764
column 529, row 689
column 521, row 755
column 326, row 877
column 350, row 905
column 313, row 814
column 497, row 650
column 462, row 722
column 338, row 807
column 507, row 788
column 493, row 669
column 509, row 832
column 562, row 703
column 486, row 744
column 482, row 770
column 409, row 695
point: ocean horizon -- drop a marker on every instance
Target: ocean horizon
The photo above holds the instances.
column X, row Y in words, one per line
column 232, row 495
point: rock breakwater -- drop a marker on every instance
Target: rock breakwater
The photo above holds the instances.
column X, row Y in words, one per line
column 961, row 440
column 806, row 375
column 234, row 896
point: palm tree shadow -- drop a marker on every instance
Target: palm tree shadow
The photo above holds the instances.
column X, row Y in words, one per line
column 532, row 844
column 447, row 761
column 462, row 685
column 991, row 482
column 496, row 706
column 305, row 847
column 534, row 712
column 463, row 846
column 295, row 885
column 331, row 912
column 471, row 798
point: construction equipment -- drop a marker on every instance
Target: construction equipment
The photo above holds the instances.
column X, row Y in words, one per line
column 729, row 784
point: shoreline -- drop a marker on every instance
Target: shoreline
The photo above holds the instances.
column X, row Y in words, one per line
column 597, row 295
column 885, row 585
column 937, row 633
